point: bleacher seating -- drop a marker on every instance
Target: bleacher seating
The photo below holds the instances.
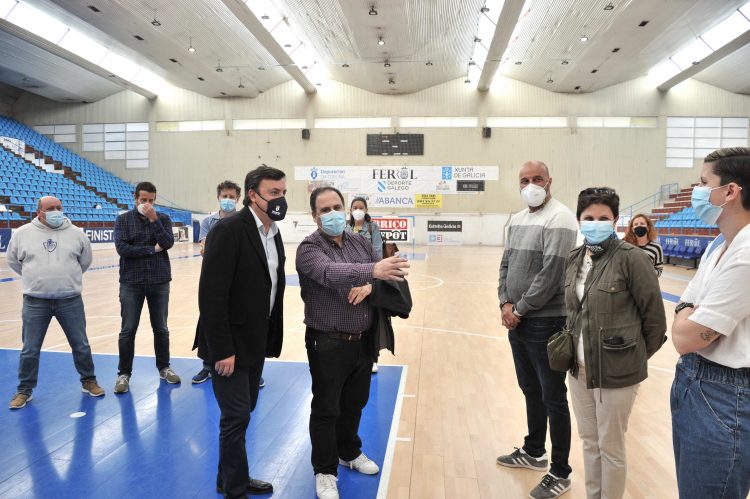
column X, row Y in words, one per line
column 22, row 184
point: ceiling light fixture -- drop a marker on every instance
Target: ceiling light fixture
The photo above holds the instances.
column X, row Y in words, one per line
column 391, row 81
column 428, row 63
column 584, row 38
column 467, row 80
column 381, row 41
column 484, row 9
column 550, row 81
column 155, row 22
column 191, row 49
column 373, row 12
column 345, row 65
column 609, row 6
column 518, row 63
column 219, row 69
column 240, row 85
column 477, row 39
column 564, row 62
column 387, row 64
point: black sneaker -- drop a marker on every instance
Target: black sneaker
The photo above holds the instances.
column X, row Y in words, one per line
column 203, row 376
column 519, row 459
column 550, row 487
column 262, row 382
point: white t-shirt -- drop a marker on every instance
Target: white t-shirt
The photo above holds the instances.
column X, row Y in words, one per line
column 583, row 272
column 720, row 290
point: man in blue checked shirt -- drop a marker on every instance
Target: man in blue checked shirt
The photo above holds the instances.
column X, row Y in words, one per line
column 142, row 238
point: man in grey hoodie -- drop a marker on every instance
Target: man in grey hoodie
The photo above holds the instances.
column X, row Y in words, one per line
column 51, row 255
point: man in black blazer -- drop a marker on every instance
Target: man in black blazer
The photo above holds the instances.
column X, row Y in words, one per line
column 240, row 298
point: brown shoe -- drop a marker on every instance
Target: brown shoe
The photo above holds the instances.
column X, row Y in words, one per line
column 92, row 388
column 19, row 400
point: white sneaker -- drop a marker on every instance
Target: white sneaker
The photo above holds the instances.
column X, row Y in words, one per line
column 363, row 464
column 325, row 486
column 374, row 367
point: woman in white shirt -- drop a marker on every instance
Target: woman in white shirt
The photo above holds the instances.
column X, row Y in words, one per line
column 710, row 396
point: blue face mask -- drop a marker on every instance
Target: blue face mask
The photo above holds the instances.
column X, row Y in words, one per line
column 701, row 201
column 227, row 204
column 333, row 223
column 54, row 218
column 597, row 232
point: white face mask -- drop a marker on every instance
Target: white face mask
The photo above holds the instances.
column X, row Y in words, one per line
column 358, row 215
column 534, row 195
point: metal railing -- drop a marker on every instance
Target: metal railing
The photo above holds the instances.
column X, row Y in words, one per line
column 647, row 204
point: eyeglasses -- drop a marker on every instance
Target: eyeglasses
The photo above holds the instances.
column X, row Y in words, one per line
column 599, row 190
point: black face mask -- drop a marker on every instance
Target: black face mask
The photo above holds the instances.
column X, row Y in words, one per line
column 275, row 208
column 640, row 231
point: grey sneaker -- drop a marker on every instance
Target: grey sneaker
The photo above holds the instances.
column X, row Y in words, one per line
column 550, row 487
column 122, row 385
column 168, row 375
column 519, row 459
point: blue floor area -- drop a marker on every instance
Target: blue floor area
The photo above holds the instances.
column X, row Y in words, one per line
column 161, row 440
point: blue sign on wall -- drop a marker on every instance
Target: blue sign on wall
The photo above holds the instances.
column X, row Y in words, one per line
column 100, row 235
column 4, row 239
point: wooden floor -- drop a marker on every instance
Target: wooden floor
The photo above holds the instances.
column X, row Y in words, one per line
column 461, row 406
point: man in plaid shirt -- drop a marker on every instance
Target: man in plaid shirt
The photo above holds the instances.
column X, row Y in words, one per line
column 142, row 238
column 335, row 271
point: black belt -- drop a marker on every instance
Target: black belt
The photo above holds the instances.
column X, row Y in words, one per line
column 339, row 336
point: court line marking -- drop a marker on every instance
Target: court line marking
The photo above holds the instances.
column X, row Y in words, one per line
column 392, row 437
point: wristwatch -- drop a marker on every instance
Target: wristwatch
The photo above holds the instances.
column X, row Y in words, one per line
column 682, row 306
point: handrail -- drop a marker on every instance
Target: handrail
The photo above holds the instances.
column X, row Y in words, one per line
column 648, row 203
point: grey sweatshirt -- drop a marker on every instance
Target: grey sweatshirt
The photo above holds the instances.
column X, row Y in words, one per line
column 51, row 262
column 532, row 270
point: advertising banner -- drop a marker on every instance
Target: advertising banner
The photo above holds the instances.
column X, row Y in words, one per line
column 4, row 239
column 394, row 229
column 444, row 232
column 428, row 200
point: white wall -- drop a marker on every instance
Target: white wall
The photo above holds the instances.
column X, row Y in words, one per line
column 186, row 166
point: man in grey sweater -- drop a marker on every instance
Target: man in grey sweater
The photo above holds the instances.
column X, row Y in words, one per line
column 51, row 255
column 532, row 300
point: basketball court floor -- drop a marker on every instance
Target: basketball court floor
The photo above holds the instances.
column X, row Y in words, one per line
column 441, row 410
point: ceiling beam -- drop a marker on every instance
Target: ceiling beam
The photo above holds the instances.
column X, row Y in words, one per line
column 254, row 26
column 50, row 47
column 505, row 25
column 729, row 48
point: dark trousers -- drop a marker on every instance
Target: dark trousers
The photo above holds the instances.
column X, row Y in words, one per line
column 236, row 396
column 341, row 372
column 544, row 389
column 131, row 305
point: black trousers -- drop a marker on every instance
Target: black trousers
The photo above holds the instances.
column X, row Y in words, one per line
column 236, row 396
column 341, row 372
column 544, row 389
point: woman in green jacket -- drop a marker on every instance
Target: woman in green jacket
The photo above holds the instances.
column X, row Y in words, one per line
column 615, row 311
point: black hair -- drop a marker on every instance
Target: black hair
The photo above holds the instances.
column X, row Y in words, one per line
column 320, row 190
column 732, row 164
column 146, row 187
column 226, row 185
column 351, row 217
column 598, row 195
column 254, row 178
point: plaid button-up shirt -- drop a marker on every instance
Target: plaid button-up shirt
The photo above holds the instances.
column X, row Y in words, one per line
column 135, row 240
column 327, row 272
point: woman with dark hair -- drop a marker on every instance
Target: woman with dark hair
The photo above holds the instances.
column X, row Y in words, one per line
column 361, row 223
column 616, row 315
column 642, row 233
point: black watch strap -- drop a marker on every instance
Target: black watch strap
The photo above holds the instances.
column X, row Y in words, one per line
column 683, row 305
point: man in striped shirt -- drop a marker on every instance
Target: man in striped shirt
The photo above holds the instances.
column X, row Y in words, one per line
column 532, row 300
column 336, row 269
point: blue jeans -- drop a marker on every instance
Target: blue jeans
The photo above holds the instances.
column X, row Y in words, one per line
column 544, row 389
column 131, row 305
column 711, row 429
column 37, row 314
